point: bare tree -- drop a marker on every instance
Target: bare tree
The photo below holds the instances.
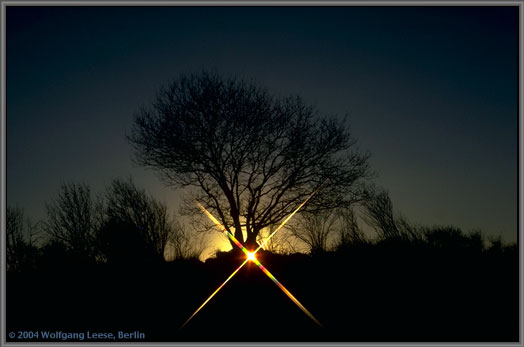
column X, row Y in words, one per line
column 407, row 230
column 73, row 219
column 316, row 230
column 127, row 203
column 379, row 214
column 21, row 234
column 282, row 242
column 328, row 230
column 14, row 225
column 378, row 211
column 184, row 244
column 250, row 157
column 349, row 232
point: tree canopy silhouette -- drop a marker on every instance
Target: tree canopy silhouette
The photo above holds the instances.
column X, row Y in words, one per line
column 252, row 156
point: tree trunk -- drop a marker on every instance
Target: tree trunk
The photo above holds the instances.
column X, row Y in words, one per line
column 239, row 236
column 251, row 241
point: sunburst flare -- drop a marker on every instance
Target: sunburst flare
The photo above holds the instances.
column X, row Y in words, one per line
column 250, row 256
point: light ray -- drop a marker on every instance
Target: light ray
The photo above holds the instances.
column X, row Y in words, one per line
column 287, row 292
column 250, row 256
column 216, row 291
column 221, row 227
column 287, row 219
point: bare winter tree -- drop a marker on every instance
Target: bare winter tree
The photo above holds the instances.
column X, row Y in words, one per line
column 73, row 219
column 349, row 232
column 248, row 156
column 379, row 215
column 125, row 203
column 283, row 242
column 315, row 230
column 21, row 235
column 185, row 244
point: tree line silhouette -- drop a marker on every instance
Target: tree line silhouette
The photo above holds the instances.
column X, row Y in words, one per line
column 127, row 226
column 467, row 285
column 124, row 225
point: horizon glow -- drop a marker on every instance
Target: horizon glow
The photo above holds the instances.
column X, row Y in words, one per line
column 250, row 256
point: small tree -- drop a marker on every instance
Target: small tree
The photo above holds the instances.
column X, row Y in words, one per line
column 378, row 211
column 282, row 242
column 349, row 232
column 184, row 244
column 315, row 230
column 21, row 234
column 73, row 219
column 125, row 203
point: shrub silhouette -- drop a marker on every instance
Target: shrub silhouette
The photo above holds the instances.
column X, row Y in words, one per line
column 451, row 238
column 122, row 242
column 54, row 256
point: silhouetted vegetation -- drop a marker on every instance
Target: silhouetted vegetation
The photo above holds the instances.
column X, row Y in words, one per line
column 350, row 232
column 121, row 261
column 21, row 233
column 73, row 219
column 442, row 285
column 315, row 230
column 378, row 211
column 127, row 206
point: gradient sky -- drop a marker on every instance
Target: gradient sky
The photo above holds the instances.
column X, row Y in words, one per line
column 431, row 93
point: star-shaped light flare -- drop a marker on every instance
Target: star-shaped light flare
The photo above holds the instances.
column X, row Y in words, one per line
column 250, row 256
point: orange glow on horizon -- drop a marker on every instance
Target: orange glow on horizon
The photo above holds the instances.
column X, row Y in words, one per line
column 250, row 256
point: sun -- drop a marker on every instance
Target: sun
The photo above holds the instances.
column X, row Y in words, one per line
column 251, row 256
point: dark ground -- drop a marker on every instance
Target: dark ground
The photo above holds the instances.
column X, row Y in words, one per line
column 384, row 292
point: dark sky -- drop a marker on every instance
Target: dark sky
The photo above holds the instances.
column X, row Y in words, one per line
column 431, row 92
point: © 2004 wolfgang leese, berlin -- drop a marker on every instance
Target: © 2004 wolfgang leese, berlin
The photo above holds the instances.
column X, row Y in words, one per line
column 76, row 336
